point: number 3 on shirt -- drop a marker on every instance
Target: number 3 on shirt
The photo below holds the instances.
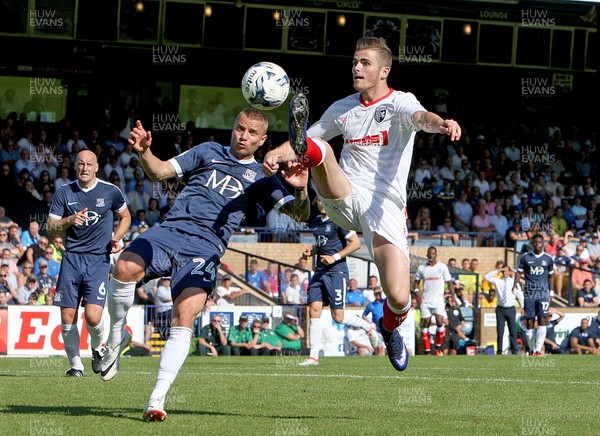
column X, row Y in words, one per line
column 202, row 269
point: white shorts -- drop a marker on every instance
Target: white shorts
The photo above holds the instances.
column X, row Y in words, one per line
column 370, row 213
column 427, row 310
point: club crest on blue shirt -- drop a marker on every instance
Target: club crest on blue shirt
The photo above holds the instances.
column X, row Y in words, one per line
column 100, row 202
column 380, row 114
column 250, row 175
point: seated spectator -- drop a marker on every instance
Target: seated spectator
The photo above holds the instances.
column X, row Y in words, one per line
column 260, row 339
column 581, row 342
column 24, row 292
column 49, row 299
column 212, row 340
column 550, row 344
column 488, row 300
column 482, row 223
column 290, row 333
column 354, row 296
column 463, row 213
column 515, row 233
column 34, row 299
column 551, row 247
column 593, row 247
column 255, row 277
column 359, row 339
column 302, row 271
column 447, row 231
column 7, row 288
column 586, row 296
column 580, row 275
column 226, row 293
column 152, row 212
column 46, row 257
column 5, row 297
column 46, row 282
column 595, row 330
column 294, row 294
column 31, row 236
column 369, row 292
column 58, row 248
column 270, row 341
column 241, row 340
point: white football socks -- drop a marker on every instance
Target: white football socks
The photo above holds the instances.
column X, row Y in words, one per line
column 96, row 334
column 315, row 337
column 70, row 335
column 529, row 337
column 540, row 336
column 171, row 359
column 120, row 299
column 352, row 320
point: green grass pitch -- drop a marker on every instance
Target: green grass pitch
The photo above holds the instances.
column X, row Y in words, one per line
column 502, row 395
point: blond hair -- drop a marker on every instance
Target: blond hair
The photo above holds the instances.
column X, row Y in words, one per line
column 254, row 114
column 379, row 45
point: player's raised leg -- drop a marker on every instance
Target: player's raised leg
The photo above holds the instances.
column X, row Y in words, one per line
column 129, row 270
column 394, row 272
column 187, row 306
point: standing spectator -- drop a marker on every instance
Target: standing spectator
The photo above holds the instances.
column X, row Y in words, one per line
column 275, row 277
column 226, row 293
column 586, row 296
column 84, row 209
column 581, row 341
column 505, row 309
column 212, row 340
column 240, row 339
column 255, row 277
column 375, row 308
column 562, row 266
column 291, row 333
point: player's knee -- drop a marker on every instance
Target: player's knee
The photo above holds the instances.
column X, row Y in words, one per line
column 338, row 316
column 128, row 271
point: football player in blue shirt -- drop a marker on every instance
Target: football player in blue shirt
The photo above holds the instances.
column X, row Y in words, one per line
column 538, row 269
column 330, row 280
column 222, row 184
column 84, row 209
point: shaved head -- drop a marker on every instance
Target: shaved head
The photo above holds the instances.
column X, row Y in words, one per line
column 87, row 167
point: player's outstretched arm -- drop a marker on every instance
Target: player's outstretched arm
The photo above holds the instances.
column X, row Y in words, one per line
column 141, row 140
column 273, row 158
column 432, row 123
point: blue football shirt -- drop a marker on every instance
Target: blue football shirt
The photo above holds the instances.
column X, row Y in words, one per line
column 330, row 239
column 100, row 200
column 536, row 269
column 220, row 189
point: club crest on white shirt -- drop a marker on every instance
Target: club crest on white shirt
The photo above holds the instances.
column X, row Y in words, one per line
column 380, row 113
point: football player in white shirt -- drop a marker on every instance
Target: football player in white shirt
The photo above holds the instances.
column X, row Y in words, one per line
column 366, row 191
column 433, row 275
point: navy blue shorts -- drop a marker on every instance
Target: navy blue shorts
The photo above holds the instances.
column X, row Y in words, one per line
column 536, row 307
column 329, row 288
column 82, row 277
column 190, row 261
